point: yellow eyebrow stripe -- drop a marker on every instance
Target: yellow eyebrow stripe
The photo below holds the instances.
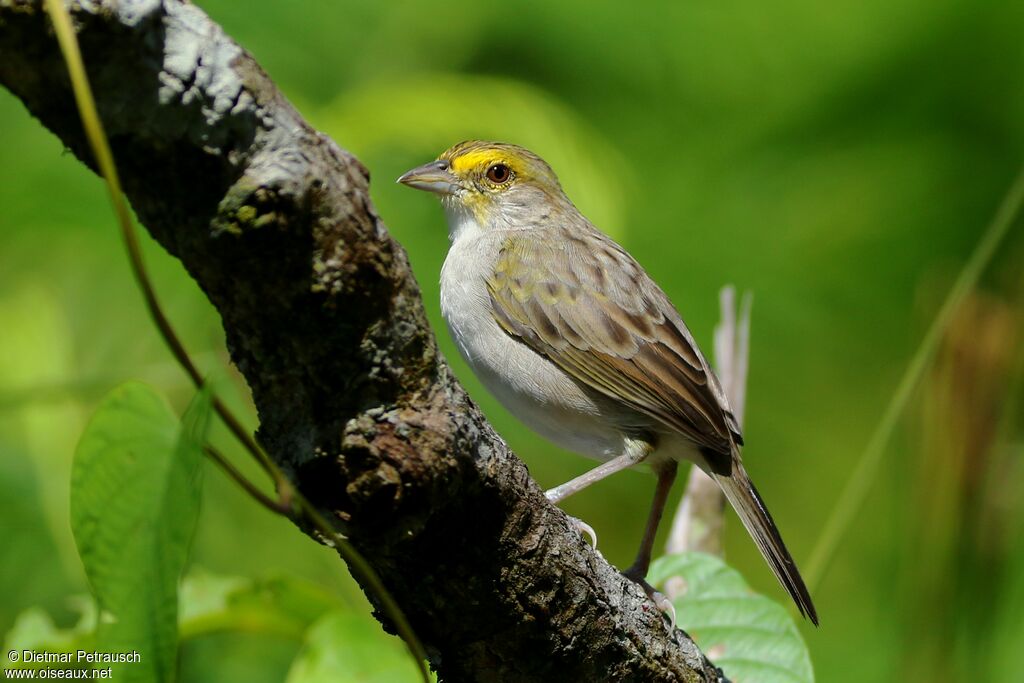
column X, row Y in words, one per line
column 470, row 160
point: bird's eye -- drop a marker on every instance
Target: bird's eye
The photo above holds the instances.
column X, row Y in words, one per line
column 498, row 173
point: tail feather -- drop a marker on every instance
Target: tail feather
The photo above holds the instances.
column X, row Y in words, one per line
column 740, row 492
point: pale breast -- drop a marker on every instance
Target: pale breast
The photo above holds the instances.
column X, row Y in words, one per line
column 526, row 383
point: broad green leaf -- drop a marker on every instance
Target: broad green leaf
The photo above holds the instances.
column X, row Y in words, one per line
column 753, row 639
column 351, row 648
column 135, row 489
column 285, row 605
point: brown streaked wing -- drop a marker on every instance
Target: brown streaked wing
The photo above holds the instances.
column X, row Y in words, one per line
column 585, row 304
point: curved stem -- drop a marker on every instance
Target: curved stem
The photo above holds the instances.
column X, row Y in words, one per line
column 278, row 506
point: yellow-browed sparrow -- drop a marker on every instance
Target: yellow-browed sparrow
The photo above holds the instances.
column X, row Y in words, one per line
column 574, row 338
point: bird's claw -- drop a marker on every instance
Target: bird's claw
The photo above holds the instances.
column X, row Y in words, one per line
column 665, row 606
column 584, row 528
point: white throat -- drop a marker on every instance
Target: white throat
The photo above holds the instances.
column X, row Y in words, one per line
column 461, row 223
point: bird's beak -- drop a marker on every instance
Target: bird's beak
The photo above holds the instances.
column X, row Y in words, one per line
column 433, row 177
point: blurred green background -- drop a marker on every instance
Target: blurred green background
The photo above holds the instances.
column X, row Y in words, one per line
column 840, row 160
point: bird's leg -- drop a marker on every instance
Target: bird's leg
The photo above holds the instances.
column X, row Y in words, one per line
column 635, row 452
column 666, row 476
column 638, row 571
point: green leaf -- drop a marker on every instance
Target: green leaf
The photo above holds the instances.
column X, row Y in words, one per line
column 351, row 648
column 753, row 639
column 135, row 487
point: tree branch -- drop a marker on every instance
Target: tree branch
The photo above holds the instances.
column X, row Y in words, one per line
column 324, row 319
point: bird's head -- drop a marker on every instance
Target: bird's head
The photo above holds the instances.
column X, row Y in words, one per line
column 488, row 180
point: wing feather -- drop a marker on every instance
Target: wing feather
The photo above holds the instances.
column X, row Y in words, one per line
column 586, row 305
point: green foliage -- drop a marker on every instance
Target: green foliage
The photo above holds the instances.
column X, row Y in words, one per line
column 135, row 490
column 35, row 630
column 340, row 648
column 838, row 159
column 32, row 567
column 749, row 636
column 336, row 644
column 284, row 606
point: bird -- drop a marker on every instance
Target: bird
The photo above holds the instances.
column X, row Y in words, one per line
column 571, row 335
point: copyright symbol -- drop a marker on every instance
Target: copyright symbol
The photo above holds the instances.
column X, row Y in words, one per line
column 12, row 655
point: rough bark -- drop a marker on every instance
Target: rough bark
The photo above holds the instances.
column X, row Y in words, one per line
column 324, row 319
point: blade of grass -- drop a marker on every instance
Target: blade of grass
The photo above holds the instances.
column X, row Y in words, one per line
column 100, row 147
column 859, row 483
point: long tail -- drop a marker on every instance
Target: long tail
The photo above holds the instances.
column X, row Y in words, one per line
column 759, row 524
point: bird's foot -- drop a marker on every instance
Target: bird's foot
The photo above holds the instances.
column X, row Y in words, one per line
column 638, row 575
column 665, row 606
column 584, row 528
